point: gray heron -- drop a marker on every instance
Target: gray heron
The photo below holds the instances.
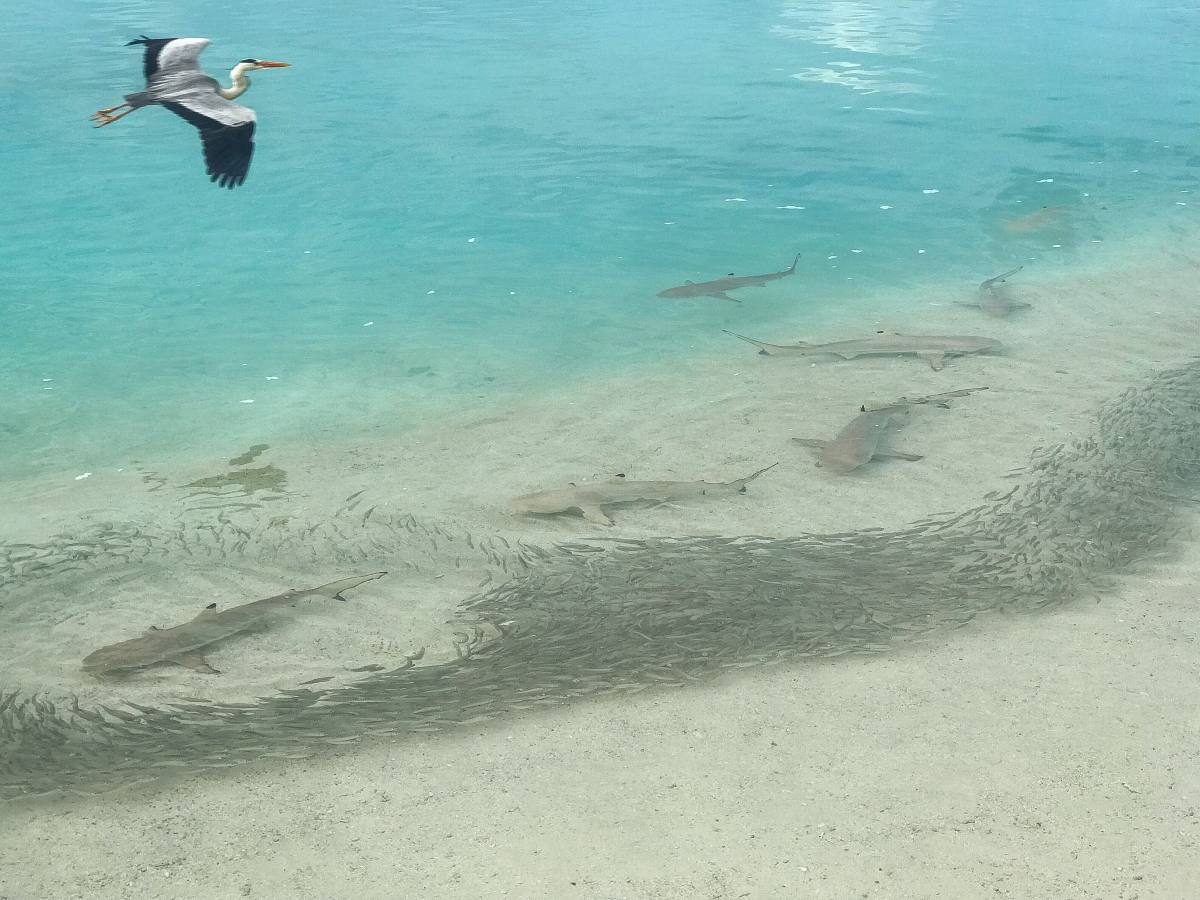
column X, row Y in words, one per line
column 175, row 80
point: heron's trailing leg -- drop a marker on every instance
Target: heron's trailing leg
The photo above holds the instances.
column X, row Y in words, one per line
column 105, row 116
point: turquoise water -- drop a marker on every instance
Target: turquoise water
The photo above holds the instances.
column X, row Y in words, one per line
column 500, row 189
column 456, row 209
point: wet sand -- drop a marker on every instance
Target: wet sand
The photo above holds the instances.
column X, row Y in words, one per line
column 1043, row 755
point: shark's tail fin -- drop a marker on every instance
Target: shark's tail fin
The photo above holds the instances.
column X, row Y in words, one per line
column 762, row 346
column 941, row 400
column 792, row 267
column 740, row 483
column 334, row 589
column 1000, row 279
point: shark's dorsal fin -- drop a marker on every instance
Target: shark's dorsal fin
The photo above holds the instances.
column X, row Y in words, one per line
column 208, row 612
column 152, row 629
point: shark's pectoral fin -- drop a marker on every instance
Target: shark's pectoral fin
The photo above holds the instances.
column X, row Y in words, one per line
column 595, row 514
column 935, row 358
column 896, row 454
column 195, row 662
column 721, row 295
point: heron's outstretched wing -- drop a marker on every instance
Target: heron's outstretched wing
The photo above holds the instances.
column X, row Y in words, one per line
column 226, row 130
column 170, row 54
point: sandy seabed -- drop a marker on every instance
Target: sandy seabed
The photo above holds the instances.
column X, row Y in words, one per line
column 1043, row 755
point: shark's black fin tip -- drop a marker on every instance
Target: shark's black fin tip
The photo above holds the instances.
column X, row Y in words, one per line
column 211, row 606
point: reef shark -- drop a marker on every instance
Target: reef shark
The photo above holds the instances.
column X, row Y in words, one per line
column 933, row 348
column 590, row 499
column 718, row 287
column 182, row 644
column 862, row 439
column 993, row 297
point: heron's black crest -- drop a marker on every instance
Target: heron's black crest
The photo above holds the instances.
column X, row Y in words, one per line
column 249, row 61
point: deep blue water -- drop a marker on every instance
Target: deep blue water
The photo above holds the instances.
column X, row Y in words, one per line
column 501, row 188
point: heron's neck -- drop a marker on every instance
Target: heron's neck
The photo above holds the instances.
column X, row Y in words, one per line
column 240, row 83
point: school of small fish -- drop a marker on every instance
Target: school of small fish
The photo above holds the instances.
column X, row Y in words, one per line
column 618, row 616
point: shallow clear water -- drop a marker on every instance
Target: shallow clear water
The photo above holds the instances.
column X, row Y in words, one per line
column 501, row 189
column 437, row 292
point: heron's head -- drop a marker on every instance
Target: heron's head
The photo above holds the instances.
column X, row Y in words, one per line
column 253, row 65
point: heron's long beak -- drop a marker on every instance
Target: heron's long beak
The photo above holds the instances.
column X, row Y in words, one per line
column 267, row 64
